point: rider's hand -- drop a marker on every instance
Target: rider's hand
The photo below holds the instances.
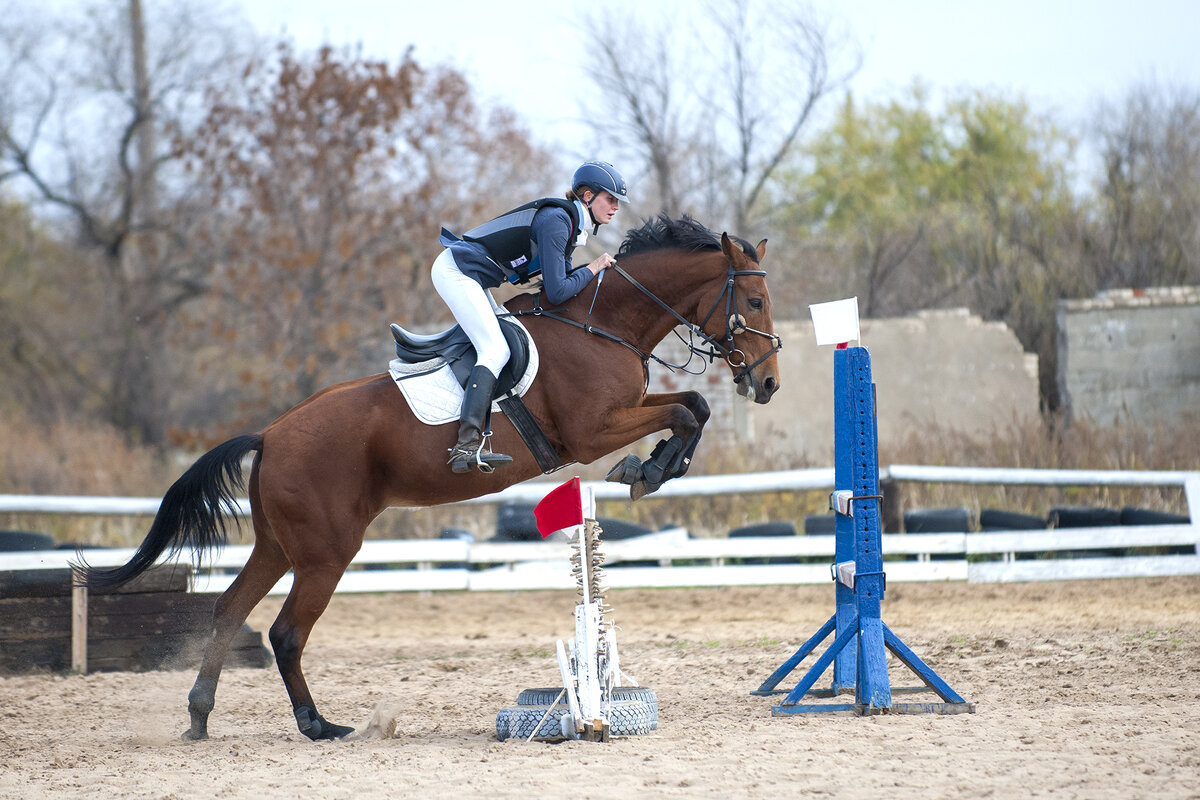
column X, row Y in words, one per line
column 601, row 263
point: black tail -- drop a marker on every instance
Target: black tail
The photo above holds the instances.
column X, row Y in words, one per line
column 191, row 513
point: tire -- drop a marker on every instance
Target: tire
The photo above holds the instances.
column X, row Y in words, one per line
column 631, row 718
column 937, row 520
column 626, row 718
column 518, row 722
column 764, row 529
column 1084, row 517
column 13, row 541
column 614, row 529
column 515, row 522
column 820, row 523
column 544, row 697
column 991, row 519
column 1148, row 516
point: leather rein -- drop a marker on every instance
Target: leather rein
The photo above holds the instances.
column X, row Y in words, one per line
column 718, row 347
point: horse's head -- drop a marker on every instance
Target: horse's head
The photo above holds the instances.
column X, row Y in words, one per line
column 740, row 322
column 677, row 272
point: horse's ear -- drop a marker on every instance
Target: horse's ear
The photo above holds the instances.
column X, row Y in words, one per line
column 761, row 249
column 727, row 247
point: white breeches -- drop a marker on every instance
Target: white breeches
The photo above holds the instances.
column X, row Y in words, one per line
column 474, row 309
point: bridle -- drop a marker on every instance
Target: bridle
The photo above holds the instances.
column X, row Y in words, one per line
column 722, row 346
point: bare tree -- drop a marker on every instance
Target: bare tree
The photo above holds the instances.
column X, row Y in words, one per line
column 1148, row 232
column 714, row 104
column 649, row 112
column 96, row 103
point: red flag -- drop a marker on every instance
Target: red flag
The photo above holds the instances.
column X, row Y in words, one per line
column 561, row 508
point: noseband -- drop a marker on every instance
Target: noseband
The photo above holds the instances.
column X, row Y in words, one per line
column 735, row 323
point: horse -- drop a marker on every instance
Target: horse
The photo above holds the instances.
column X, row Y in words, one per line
column 327, row 467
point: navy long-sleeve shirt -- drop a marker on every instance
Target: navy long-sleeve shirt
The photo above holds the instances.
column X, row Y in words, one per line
column 551, row 229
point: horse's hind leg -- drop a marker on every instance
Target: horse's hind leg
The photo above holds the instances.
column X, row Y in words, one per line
column 263, row 569
column 311, row 592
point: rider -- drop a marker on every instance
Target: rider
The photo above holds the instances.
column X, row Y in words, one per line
column 537, row 237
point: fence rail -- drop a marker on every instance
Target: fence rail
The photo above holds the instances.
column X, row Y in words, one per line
column 670, row 558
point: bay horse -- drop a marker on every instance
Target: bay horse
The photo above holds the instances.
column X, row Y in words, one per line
column 326, row 468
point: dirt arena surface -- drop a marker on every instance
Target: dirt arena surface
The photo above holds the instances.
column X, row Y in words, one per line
column 1086, row 689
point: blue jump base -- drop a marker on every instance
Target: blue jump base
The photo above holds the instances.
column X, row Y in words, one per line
column 857, row 654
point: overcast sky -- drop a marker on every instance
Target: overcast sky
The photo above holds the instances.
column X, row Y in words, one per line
column 1062, row 55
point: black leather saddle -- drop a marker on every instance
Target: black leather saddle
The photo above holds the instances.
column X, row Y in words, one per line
column 454, row 346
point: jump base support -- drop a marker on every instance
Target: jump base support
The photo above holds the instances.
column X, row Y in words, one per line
column 867, row 711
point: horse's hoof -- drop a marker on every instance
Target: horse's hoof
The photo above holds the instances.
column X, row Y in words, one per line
column 642, row 488
column 316, row 727
column 330, row 732
column 628, row 470
column 198, row 729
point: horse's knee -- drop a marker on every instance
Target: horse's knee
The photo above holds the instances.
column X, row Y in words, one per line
column 316, row 727
column 286, row 644
column 699, row 407
column 684, row 423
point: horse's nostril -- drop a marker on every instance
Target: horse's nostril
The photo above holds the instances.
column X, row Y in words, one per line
column 770, row 385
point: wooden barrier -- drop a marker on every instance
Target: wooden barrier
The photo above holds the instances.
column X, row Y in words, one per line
column 152, row 622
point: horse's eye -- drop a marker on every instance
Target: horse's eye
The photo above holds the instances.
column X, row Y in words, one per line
column 756, row 303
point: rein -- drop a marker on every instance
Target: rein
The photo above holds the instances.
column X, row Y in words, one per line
column 719, row 347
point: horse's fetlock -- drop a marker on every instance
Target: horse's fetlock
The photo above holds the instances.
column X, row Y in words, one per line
column 203, row 696
column 316, row 727
column 308, row 721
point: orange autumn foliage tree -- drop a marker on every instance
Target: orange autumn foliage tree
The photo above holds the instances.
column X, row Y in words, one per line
column 329, row 181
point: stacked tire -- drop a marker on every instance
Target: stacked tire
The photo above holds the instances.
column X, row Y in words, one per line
column 633, row 712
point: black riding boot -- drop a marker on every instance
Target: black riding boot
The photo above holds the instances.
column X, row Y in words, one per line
column 472, row 432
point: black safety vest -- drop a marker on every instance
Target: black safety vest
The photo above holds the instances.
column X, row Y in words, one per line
column 509, row 241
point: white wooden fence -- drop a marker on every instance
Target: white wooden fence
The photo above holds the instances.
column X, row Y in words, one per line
column 669, row 558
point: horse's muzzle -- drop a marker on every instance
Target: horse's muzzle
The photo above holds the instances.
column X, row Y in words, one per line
column 749, row 387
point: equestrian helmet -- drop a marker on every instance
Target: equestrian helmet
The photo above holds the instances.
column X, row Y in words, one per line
column 598, row 175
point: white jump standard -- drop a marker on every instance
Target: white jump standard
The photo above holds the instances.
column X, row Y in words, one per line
column 593, row 703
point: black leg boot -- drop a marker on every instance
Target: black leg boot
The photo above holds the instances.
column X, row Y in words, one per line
column 477, row 402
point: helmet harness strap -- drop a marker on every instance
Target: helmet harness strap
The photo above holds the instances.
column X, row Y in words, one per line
column 588, row 205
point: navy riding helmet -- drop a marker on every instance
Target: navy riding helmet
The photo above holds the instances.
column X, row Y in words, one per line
column 598, row 175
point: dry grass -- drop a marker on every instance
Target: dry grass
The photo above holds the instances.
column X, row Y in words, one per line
column 67, row 458
column 1082, row 445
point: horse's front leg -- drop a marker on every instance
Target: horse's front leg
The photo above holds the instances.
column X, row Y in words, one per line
column 670, row 457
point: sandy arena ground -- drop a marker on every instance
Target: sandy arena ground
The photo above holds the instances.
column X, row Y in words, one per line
column 1085, row 689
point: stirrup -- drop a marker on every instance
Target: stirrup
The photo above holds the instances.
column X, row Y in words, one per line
column 485, row 461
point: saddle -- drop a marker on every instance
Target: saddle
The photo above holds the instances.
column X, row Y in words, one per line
column 453, row 346
column 450, row 355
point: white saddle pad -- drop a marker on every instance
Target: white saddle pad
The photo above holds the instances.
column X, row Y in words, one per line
column 433, row 392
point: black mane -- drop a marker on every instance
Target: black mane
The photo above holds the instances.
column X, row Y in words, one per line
column 683, row 233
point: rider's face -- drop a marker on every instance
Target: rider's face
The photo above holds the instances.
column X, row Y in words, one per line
column 604, row 207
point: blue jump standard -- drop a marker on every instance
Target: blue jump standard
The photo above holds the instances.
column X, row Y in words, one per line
column 857, row 653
